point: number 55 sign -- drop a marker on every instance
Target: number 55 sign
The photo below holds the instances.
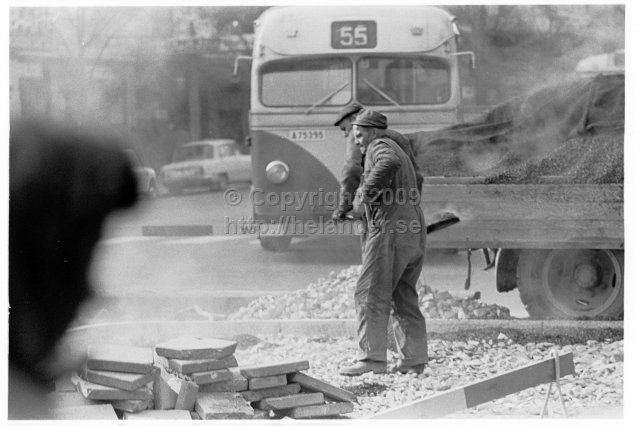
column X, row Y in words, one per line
column 353, row 35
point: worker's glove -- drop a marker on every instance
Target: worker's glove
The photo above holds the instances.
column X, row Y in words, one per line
column 339, row 214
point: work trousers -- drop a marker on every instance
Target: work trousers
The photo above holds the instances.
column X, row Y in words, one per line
column 386, row 289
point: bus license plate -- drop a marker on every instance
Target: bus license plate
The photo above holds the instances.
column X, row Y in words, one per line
column 307, row 135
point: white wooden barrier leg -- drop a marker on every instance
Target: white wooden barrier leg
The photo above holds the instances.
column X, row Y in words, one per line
column 557, row 382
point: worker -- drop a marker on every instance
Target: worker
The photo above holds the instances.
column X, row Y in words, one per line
column 353, row 165
column 62, row 185
column 352, row 169
column 393, row 252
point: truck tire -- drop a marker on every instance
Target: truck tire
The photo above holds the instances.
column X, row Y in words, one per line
column 275, row 243
column 572, row 283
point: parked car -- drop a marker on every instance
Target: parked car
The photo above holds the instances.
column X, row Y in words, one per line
column 146, row 176
column 213, row 163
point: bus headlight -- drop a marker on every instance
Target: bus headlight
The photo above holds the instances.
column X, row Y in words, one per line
column 277, row 171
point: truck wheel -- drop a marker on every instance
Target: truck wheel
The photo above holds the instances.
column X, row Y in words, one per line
column 572, row 283
column 275, row 243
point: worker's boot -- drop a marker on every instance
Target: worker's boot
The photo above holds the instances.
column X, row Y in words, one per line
column 404, row 369
column 361, row 367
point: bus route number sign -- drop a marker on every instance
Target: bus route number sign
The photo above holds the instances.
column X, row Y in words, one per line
column 353, row 35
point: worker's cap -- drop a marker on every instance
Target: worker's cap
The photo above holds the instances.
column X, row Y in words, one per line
column 368, row 118
column 347, row 111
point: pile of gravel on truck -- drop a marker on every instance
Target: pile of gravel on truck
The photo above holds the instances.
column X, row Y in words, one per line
column 571, row 132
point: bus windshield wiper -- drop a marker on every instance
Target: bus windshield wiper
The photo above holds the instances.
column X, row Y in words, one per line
column 381, row 93
column 326, row 98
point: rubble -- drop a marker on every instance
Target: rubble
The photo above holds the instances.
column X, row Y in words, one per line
column 332, row 298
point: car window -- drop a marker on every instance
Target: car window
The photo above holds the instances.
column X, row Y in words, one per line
column 193, row 152
column 226, row 150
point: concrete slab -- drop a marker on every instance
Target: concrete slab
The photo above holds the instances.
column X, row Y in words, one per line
column 274, row 369
column 223, row 405
column 197, row 365
column 131, row 405
column 291, row 401
column 159, row 415
column 257, row 395
column 238, row 383
column 207, row 377
column 267, row 382
column 313, row 384
column 120, row 358
column 99, row 392
column 125, row 381
column 87, row 412
column 195, row 348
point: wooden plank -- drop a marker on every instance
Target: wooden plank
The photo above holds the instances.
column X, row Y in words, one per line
column 311, row 383
column 274, row 369
column 291, row 401
column 482, row 391
column 318, row 411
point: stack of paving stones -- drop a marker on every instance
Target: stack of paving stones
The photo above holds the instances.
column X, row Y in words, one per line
column 282, row 390
column 115, row 380
column 192, row 378
column 197, row 374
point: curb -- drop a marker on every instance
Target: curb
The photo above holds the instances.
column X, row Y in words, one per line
column 149, row 333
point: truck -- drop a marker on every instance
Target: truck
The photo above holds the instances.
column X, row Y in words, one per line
column 560, row 243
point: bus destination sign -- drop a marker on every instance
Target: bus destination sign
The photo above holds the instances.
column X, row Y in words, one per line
column 353, row 34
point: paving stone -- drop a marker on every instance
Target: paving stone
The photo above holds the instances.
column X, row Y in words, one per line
column 315, row 411
column 267, row 382
column 187, row 396
column 125, row 381
column 132, row 405
column 196, row 348
column 291, row 401
column 311, row 383
column 69, row 399
column 164, row 396
column 184, row 366
column 215, row 376
column 101, row 392
column 238, row 383
column 257, row 395
column 125, row 359
column 86, row 412
column 223, row 405
column 274, row 369
column 260, row 414
column 159, row 415
column 195, row 416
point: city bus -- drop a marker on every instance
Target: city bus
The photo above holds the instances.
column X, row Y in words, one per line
column 308, row 63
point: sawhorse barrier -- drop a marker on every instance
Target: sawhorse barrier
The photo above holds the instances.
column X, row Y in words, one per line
column 486, row 390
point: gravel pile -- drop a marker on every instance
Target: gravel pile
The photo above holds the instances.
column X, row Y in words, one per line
column 598, row 380
column 572, row 130
column 332, row 298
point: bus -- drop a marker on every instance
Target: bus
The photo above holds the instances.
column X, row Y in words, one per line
column 308, row 63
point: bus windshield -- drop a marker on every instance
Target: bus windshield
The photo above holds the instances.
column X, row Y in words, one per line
column 393, row 80
column 306, row 82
